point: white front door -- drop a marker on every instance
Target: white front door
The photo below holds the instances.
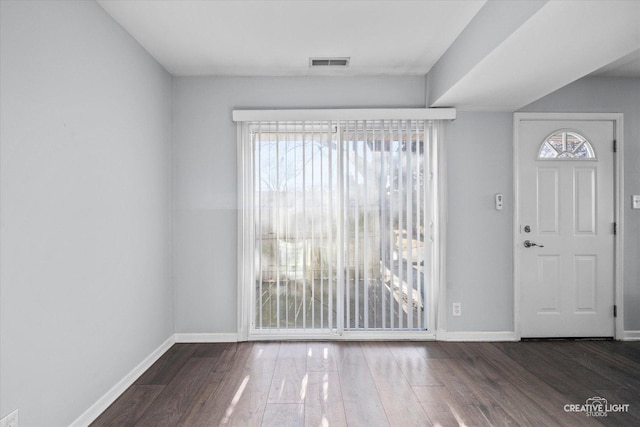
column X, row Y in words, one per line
column 565, row 245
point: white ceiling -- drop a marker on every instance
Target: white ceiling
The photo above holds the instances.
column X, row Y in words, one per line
column 627, row 66
column 275, row 38
column 560, row 42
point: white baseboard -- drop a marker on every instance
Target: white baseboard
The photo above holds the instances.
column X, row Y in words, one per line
column 213, row 337
column 631, row 336
column 477, row 336
column 105, row 401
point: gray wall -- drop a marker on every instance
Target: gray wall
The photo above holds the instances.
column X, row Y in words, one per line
column 612, row 95
column 479, row 244
column 479, row 157
column 85, row 130
column 205, row 181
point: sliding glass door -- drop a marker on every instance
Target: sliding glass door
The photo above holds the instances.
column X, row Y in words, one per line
column 339, row 218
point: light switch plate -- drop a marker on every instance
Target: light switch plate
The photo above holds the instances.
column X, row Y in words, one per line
column 499, row 201
column 635, row 201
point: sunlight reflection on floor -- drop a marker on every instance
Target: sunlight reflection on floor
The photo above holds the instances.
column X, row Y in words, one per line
column 235, row 400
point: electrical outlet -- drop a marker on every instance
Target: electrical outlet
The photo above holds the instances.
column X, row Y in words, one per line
column 10, row 420
column 457, row 309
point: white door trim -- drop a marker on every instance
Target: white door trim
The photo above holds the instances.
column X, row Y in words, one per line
column 245, row 250
column 617, row 119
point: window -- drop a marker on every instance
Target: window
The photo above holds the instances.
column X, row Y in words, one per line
column 338, row 225
column 565, row 145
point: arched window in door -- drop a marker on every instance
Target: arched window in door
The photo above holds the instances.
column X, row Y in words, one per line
column 566, row 144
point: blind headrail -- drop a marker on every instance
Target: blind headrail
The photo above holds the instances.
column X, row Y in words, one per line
column 345, row 114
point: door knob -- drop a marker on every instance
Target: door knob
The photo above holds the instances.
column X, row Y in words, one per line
column 529, row 243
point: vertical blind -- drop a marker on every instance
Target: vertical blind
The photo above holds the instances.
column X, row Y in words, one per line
column 341, row 223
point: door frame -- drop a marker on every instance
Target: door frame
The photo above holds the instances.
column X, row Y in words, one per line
column 245, row 331
column 618, row 179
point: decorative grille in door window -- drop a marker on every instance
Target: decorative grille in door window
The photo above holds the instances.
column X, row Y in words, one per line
column 565, row 144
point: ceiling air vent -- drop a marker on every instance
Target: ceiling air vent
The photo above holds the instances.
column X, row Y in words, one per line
column 329, row 62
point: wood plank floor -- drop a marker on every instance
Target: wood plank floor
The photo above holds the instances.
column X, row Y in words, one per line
column 383, row 384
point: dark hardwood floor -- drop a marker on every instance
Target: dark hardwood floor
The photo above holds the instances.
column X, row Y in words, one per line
column 384, row 384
